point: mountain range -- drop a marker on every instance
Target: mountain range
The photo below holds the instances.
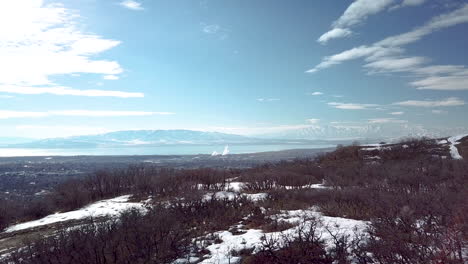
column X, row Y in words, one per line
column 317, row 135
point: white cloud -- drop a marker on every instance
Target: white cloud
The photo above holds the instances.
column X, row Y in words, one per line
column 390, row 47
column 436, row 111
column 58, row 90
column 386, row 121
column 111, row 77
column 211, row 29
column 268, row 99
column 52, row 131
column 451, row 101
column 352, row 106
column 395, row 64
column 39, row 41
column 6, row 114
column 316, row 93
column 459, row 16
column 6, row 96
column 130, row 4
column 444, row 83
column 248, row 130
column 355, row 14
column 359, row 10
column 333, row 34
column 396, row 113
column 215, row 29
column 408, row 3
column 313, row 120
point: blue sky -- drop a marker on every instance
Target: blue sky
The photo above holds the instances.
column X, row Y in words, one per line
column 246, row 66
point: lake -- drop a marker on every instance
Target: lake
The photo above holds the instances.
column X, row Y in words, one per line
column 158, row 150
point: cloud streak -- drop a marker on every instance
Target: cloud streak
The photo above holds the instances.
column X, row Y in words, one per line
column 358, row 12
column 392, row 46
column 451, row 101
column 352, row 106
column 6, row 114
column 46, row 41
column 386, row 121
column 59, row 90
column 263, row 100
column 132, row 5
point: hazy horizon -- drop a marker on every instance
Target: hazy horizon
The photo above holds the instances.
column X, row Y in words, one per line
column 240, row 67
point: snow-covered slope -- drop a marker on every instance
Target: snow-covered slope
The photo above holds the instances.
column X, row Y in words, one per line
column 454, row 141
column 110, row 207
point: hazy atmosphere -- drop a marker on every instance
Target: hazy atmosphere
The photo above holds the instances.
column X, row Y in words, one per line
column 233, row 131
column 243, row 67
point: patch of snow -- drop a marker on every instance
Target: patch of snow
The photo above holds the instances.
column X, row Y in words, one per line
column 221, row 253
column 442, row 142
column 42, row 192
column 110, row 207
column 309, row 186
column 453, row 149
column 220, row 196
column 186, row 260
column 255, row 197
column 235, row 186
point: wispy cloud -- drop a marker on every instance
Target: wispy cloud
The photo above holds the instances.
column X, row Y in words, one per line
column 268, row 99
column 215, row 29
column 392, row 46
column 211, row 29
column 61, row 130
column 396, row 113
column 59, row 90
column 357, row 13
column 451, row 101
column 6, row 114
column 444, row 83
column 386, row 121
column 316, row 93
column 408, row 3
column 334, row 33
column 111, row 77
column 386, row 56
column 313, row 120
column 438, row 112
column 39, row 41
column 130, row 4
column 352, row 106
column 389, row 64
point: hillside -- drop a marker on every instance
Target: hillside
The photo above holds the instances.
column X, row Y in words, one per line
column 357, row 204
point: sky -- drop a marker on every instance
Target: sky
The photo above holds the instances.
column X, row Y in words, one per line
column 247, row 67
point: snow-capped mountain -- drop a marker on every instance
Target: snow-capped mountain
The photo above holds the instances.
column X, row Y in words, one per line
column 143, row 138
column 364, row 132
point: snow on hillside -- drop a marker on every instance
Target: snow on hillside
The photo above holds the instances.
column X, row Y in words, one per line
column 110, row 207
column 453, row 149
column 221, row 253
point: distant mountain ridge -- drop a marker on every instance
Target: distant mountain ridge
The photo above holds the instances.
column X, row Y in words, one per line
column 313, row 135
column 144, row 138
column 370, row 132
column 139, row 138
